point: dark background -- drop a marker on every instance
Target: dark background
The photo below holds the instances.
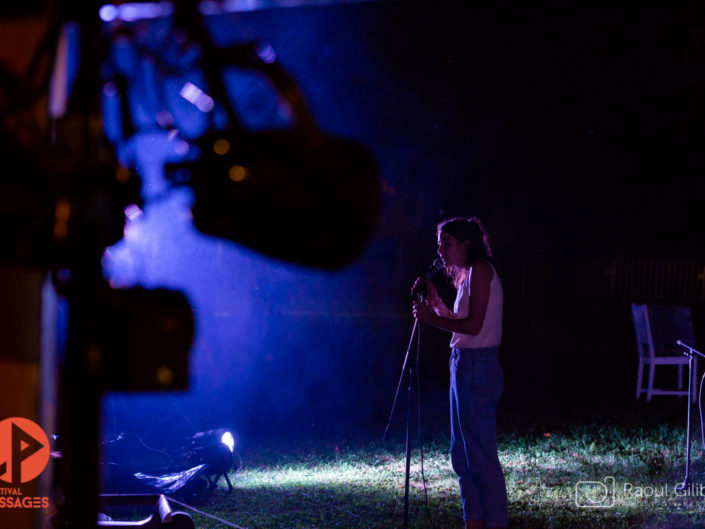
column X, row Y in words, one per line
column 574, row 133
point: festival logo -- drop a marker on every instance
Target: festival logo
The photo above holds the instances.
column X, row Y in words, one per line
column 24, row 454
column 24, row 451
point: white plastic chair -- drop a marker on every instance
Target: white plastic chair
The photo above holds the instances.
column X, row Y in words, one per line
column 657, row 328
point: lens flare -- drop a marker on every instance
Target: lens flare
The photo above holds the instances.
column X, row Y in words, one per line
column 238, row 173
column 193, row 94
column 108, row 13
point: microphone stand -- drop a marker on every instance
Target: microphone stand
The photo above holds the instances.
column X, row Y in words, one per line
column 690, row 353
column 407, row 371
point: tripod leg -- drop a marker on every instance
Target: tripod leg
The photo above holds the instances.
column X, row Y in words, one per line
column 401, row 380
column 408, row 451
column 686, row 480
column 406, row 373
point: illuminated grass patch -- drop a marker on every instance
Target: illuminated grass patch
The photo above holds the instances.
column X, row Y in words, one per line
column 584, row 477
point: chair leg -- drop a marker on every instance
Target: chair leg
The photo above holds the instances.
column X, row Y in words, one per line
column 640, row 372
column 652, row 368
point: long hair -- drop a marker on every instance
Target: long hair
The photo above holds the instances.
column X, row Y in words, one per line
column 471, row 230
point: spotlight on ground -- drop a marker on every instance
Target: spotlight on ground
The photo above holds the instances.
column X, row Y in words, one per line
column 228, row 440
column 216, row 450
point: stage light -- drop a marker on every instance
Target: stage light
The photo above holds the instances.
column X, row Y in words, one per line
column 216, row 450
column 228, row 440
column 217, row 437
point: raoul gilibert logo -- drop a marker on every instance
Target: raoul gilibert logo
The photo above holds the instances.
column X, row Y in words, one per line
column 24, row 453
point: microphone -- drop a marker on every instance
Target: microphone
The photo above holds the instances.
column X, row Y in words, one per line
column 435, row 267
column 420, row 293
column 691, row 350
column 686, row 346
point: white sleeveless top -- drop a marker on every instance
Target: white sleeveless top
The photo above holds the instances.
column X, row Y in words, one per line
column 490, row 334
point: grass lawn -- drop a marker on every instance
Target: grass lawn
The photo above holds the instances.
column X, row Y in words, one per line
column 633, row 462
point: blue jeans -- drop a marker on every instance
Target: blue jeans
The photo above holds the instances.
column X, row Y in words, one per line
column 476, row 383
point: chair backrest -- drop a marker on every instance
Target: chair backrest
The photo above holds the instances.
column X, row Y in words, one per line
column 668, row 324
column 657, row 328
column 640, row 317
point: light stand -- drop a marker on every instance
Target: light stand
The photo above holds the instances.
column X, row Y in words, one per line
column 407, row 371
column 690, row 353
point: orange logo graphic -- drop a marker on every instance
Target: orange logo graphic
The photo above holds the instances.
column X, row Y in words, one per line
column 24, row 451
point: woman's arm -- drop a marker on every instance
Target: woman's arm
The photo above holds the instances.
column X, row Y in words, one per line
column 431, row 297
column 441, row 310
column 480, row 279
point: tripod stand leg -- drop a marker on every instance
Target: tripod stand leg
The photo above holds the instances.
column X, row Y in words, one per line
column 408, row 451
column 401, row 380
column 687, row 480
column 406, row 373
